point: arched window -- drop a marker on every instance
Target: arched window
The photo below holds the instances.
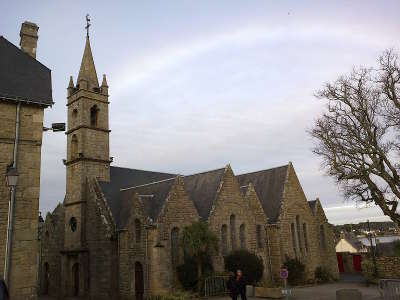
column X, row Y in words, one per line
column 175, row 246
column 75, row 279
column 299, row 233
column 322, row 237
column 74, row 113
column 232, row 225
column 138, row 231
column 292, row 229
column 305, row 236
column 258, row 236
column 74, row 147
column 224, row 239
column 46, row 277
column 242, row 236
column 94, row 111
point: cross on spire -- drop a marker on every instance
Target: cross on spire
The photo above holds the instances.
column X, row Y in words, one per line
column 87, row 24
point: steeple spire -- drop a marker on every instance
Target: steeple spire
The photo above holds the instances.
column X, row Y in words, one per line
column 87, row 72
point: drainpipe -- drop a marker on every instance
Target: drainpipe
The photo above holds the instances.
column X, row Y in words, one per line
column 10, row 225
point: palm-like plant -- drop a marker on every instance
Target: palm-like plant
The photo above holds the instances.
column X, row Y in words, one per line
column 199, row 242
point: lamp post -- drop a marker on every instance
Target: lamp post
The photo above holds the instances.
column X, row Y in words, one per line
column 11, row 179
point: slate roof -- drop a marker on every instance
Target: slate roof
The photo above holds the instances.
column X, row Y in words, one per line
column 202, row 189
column 121, row 178
column 269, row 185
column 23, row 78
column 152, row 195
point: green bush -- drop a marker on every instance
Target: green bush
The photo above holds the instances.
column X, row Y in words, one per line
column 296, row 271
column 368, row 270
column 187, row 273
column 322, row 275
column 251, row 265
column 396, row 248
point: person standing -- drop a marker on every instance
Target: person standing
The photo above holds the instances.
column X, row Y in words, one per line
column 233, row 288
column 3, row 290
column 241, row 284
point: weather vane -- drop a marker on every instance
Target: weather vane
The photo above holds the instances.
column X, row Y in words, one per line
column 87, row 24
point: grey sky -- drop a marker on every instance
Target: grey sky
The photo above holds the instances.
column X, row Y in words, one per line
column 195, row 85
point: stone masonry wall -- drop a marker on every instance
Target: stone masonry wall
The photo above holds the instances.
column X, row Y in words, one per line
column 25, row 246
column 102, row 246
column 51, row 244
column 296, row 210
column 177, row 201
column 388, row 267
column 328, row 258
column 230, row 201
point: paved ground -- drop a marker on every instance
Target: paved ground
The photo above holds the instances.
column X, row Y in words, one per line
column 322, row 292
column 325, row 292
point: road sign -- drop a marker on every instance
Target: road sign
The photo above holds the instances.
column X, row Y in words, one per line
column 284, row 273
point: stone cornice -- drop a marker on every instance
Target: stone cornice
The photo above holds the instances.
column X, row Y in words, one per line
column 70, row 162
column 87, row 127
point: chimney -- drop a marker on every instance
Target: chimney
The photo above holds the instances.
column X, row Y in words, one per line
column 29, row 37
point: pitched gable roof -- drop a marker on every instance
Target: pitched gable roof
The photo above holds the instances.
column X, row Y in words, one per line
column 202, row 189
column 121, row 178
column 152, row 196
column 269, row 186
column 23, row 78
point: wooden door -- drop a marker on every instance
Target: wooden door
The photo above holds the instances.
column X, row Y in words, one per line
column 357, row 263
column 340, row 262
column 75, row 279
column 139, row 281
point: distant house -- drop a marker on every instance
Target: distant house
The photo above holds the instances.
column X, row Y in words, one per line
column 350, row 244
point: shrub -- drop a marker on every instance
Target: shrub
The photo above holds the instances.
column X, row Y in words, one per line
column 322, row 275
column 296, row 271
column 251, row 265
column 396, row 248
column 187, row 273
column 368, row 270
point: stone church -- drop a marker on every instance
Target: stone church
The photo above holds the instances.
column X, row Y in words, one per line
column 116, row 235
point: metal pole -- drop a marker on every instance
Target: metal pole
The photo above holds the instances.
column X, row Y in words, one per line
column 372, row 248
column 285, row 288
column 10, row 225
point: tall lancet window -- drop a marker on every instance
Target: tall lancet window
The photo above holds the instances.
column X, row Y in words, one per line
column 175, row 246
column 74, row 147
column 232, row 223
column 242, row 236
column 94, row 112
column 224, row 239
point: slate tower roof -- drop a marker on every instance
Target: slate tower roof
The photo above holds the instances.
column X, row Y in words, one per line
column 87, row 70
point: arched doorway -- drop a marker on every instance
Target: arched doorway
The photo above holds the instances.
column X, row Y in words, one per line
column 75, row 279
column 139, row 282
column 46, row 276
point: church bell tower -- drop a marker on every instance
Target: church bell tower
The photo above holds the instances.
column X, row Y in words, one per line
column 87, row 158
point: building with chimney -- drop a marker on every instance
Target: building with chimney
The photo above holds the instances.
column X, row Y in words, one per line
column 25, row 91
column 117, row 233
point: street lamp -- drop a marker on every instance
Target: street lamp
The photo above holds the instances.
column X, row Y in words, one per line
column 12, row 176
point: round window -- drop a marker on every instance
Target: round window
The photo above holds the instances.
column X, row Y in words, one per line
column 73, row 223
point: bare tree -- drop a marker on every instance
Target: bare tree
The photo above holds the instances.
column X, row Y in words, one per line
column 358, row 136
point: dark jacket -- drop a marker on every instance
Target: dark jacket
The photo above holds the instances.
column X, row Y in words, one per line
column 3, row 290
column 232, row 286
column 241, row 285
